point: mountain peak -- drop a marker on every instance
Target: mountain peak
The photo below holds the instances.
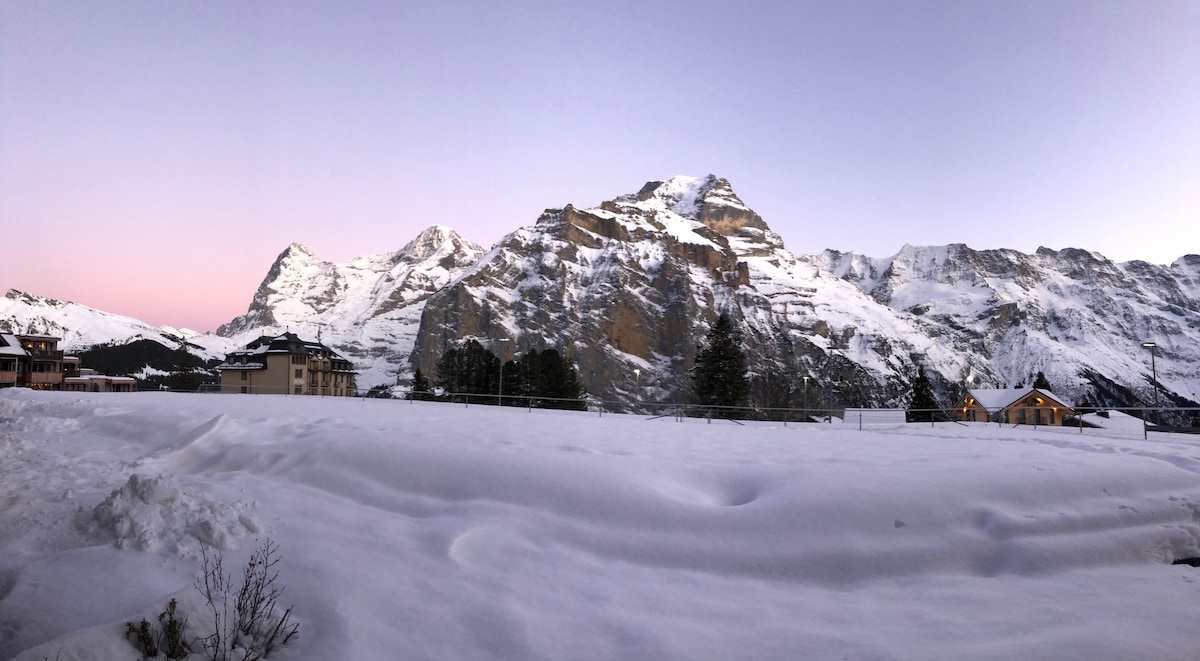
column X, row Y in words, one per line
column 432, row 239
column 681, row 194
column 709, row 200
column 297, row 249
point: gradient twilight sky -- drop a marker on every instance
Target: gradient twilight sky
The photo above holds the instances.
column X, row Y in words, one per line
column 155, row 157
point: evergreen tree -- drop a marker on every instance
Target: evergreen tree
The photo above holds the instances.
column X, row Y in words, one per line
column 922, row 406
column 774, row 388
column 469, row 369
column 719, row 375
column 545, row 374
column 560, row 381
column 183, row 371
column 511, row 383
column 1041, row 383
column 421, row 388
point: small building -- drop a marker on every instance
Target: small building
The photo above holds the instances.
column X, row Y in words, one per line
column 287, row 365
column 88, row 380
column 1014, row 406
column 30, row 361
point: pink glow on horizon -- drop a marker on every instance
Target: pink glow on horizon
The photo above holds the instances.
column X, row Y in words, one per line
column 157, row 157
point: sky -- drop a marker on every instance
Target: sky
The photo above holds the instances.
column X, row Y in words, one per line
column 156, row 157
column 430, row 531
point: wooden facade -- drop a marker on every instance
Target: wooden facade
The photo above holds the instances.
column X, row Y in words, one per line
column 1014, row 406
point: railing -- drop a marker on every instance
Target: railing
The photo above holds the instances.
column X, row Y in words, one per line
column 1177, row 420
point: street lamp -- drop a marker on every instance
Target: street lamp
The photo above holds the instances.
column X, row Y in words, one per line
column 500, row 389
column 1154, row 376
column 637, row 375
column 806, row 398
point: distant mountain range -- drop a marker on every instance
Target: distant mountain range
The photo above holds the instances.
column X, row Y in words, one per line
column 629, row 289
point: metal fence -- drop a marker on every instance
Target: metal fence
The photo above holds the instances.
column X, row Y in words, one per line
column 1176, row 420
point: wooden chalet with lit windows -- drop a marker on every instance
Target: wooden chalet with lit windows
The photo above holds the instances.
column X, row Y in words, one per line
column 30, row 361
column 287, row 365
column 1014, row 406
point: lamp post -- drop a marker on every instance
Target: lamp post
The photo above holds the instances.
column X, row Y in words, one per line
column 1154, row 376
column 637, row 375
column 500, row 389
column 806, row 398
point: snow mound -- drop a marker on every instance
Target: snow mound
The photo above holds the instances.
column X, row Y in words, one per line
column 154, row 513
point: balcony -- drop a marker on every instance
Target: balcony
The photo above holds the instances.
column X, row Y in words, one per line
column 43, row 378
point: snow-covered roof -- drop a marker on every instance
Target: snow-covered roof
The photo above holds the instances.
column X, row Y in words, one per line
column 287, row 343
column 88, row 378
column 241, row 366
column 11, row 346
column 995, row 399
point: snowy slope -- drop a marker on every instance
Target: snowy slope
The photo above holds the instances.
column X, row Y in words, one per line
column 1072, row 314
column 81, row 326
column 368, row 309
column 429, row 531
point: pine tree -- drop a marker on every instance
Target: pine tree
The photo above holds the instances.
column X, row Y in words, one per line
column 183, row 375
column 469, row 369
column 544, row 374
column 559, row 381
column 1041, row 383
column 774, row 388
column 420, row 387
column 719, row 375
column 922, row 406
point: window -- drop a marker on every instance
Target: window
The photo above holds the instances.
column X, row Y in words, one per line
column 298, row 359
column 243, row 390
column 299, row 373
column 245, row 375
column 298, row 390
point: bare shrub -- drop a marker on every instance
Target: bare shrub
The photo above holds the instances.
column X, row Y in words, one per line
column 254, row 628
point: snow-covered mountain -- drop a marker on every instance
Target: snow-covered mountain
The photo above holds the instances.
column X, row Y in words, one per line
column 81, row 326
column 1073, row 314
column 368, row 308
column 629, row 289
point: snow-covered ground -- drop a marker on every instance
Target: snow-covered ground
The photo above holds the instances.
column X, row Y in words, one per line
column 434, row 531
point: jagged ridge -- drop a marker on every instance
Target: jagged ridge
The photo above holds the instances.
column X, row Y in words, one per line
column 368, row 308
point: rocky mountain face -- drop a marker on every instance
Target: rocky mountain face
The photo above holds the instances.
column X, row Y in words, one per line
column 368, row 309
column 629, row 289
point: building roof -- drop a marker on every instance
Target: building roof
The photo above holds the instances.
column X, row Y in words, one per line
column 997, row 399
column 11, row 346
column 88, row 378
column 241, row 366
column 287, row 343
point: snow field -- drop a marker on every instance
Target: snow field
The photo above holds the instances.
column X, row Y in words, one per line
column 426, row 530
